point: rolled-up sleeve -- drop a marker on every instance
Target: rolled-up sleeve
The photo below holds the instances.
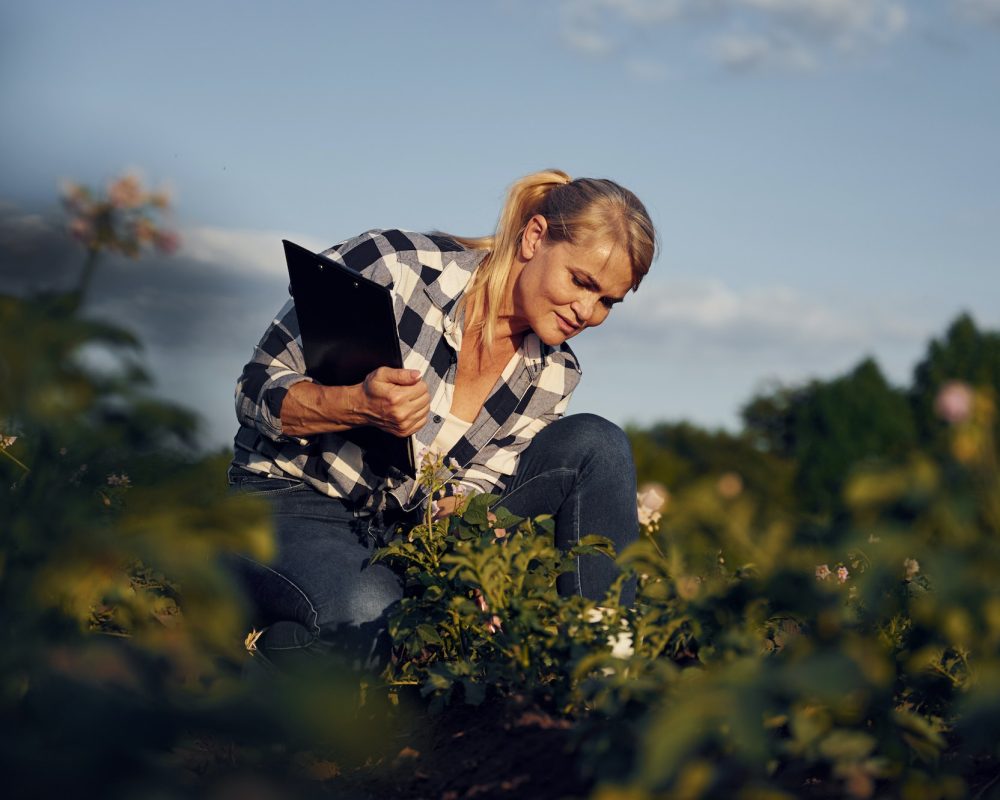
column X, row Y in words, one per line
column 277, row 364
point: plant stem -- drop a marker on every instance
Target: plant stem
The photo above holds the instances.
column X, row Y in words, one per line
column 87, row 275
column 15, row 459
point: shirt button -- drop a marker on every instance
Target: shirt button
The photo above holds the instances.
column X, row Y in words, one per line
column 437, row 419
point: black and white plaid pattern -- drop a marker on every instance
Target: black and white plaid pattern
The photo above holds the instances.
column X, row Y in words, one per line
column 427, row 275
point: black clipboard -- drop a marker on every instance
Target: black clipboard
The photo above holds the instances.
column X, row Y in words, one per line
column 348, row 329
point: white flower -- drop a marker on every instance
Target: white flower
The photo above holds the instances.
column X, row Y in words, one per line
column 911, row 567
column 822, row 572
column 650, row 502
column 842, row 574
column 621, row 644
column 6, row 441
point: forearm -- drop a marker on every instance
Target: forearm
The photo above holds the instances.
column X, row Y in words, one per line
column 311, row 408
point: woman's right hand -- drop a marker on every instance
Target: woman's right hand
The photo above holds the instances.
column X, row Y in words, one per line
column 394, row 400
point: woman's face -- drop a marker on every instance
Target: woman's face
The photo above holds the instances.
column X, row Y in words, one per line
column 560, row 288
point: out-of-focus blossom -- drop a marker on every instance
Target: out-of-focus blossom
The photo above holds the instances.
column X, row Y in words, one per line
column 166, row 241
column 494, row 624
column 842, row 574
column 621, row 644
column 126, row 192
column 650, row 502
column 121, row 481
column 729, row 486
column 823, row 572
column 160, row 199
column 873, row 539
column 124, row 220
column 6, row 441
column 954, row 402
column 81, row 229
column 911, row 567
column 73, row 194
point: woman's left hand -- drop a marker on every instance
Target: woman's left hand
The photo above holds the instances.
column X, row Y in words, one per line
column 445, row 507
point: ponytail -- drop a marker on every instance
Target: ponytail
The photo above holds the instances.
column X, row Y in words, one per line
column 575, row 210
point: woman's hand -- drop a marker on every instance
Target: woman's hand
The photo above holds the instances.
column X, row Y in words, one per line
column 394, row 400
column 446, row 506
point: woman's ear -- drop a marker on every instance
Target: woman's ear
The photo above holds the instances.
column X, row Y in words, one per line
column 534, row 233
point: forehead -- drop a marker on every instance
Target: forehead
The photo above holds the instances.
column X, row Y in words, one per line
column 603, row 260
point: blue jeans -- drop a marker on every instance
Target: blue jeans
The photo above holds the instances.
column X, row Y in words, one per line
column 320, row 594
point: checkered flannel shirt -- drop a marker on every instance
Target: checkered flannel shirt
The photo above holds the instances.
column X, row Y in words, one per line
column 427, row 276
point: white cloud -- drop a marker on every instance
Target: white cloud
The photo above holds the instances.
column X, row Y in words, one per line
column 747, row 51
column 790, row 34
column 587, row 41
column 648, row 69
column 979, row 11
column 708, row 315
column 243, row 251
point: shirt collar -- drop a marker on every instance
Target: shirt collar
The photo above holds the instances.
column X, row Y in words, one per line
column 449, row 286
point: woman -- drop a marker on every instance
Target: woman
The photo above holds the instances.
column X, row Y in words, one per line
column 488, row 374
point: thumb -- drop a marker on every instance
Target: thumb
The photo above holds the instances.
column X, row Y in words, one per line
column 402, row 377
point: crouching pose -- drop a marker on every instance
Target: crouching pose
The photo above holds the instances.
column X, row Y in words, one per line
column 487, row 376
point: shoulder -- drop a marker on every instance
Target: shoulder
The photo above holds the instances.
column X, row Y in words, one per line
column 392, row 256
column 366, row 248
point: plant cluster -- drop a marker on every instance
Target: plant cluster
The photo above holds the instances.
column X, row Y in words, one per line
column 758, row 660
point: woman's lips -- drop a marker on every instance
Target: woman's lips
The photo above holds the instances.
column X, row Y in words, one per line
column 565, row 325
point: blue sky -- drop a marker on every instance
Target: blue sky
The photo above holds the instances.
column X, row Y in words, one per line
column 824, row 175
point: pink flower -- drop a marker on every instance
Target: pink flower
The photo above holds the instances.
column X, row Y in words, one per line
column 842, row 574
column 822, row 572
column 81, row 229
column 160, row 199
column 166, row 241
column 730, row 485
column 954, row 402
column 126, row 192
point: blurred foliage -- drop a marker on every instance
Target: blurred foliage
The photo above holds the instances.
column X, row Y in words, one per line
column 817, row 613
column 121, row 673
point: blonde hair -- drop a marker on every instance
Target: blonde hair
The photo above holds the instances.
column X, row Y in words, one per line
column 578, row 212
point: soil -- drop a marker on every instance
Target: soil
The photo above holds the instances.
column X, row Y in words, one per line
column 497, row 750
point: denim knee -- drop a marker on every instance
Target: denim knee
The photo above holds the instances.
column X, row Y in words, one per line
column 592, row 442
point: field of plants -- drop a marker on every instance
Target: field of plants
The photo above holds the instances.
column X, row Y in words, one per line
column 817, row 613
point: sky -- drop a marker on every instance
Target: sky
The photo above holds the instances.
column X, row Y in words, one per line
column 824, row 175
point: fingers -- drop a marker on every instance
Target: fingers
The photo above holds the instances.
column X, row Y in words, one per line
column 396, row 400
column 403, row 377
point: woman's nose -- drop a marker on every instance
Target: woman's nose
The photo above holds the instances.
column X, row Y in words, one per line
column 583, row 308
